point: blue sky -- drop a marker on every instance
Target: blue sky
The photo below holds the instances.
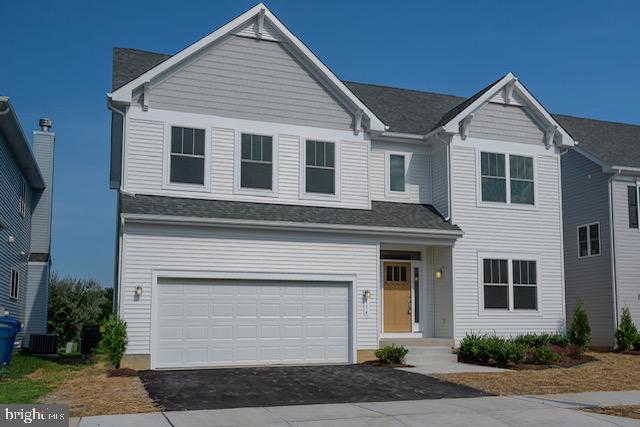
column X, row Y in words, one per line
column 580, row 58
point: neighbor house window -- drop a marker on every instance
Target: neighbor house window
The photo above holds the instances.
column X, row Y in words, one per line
column 510, row 284
column 516, row 186
column 589, row 240
column 187, row 156
column 22, row 199
column 632, row 195
column 256, row 165
column 320, row 173
column 15, row 284
column 396, row 172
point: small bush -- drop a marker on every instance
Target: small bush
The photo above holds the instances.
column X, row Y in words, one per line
column 491, row 349
column 579, row 333
column 470, row 347
column 391, row 354
column 542, row 340
column 627, row 333
column 114, row 340
column 544, row 355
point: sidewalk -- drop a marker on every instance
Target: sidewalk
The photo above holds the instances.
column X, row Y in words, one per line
column 557, row 410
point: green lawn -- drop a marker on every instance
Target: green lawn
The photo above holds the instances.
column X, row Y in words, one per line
column 17, row 387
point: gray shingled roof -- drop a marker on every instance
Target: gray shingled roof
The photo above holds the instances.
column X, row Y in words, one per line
column 381, row 214
column 412, row 111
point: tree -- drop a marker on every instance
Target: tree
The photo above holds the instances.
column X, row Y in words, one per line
column 72, row 303
column 627, row 334
column 580, row 332
column 114, row 340
column 107, row 306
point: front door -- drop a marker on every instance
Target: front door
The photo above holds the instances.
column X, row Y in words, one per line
column 397, row 297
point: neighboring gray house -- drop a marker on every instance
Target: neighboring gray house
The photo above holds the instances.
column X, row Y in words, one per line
column 600, row 179
column 270, row 213
column 26, row 179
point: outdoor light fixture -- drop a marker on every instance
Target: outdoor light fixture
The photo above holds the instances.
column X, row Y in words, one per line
column 366, row 295
column 138, row 291
column 439, row 273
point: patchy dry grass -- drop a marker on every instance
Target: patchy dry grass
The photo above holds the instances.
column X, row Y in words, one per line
column 618, row 411
column 93, row 392
column 610, row 372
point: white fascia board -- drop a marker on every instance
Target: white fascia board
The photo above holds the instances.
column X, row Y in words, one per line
column 291, row 226
column 453, row 125
column 124, row 93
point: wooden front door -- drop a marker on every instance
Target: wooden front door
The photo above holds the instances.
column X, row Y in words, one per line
column 397, row 297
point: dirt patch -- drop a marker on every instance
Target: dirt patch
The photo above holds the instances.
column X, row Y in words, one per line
column 94, row 392
column 618, row 411
column 386, row 365
column 609, row 372
column 122, row 372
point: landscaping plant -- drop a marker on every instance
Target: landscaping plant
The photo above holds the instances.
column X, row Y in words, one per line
column 627, row 333
column 579, row 332
column 391, row 354
column 114, row 340
column 544, row 355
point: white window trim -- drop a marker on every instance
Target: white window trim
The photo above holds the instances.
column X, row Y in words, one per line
column 17, row 296
column 166, row 167
column 303, row 171
column 589, row 240
column 507, row 171
column 637, row 204
column 237, row 166
column 510, row 311
column 388, row 192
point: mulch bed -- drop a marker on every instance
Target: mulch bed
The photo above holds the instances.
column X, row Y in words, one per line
column 566, row 363
column 386, row 365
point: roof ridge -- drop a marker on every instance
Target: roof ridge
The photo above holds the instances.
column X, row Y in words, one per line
column 405, row 89
column 596, row 120
column 141, row 50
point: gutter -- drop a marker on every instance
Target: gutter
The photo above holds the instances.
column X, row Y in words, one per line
column 614, row 281
column 290, row 225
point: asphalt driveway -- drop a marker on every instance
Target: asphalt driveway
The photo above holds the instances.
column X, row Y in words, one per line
column 293, row 385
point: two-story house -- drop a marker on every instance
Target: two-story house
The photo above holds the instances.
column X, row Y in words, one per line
column 600, row 180
column 270, row 213
column 26, row 184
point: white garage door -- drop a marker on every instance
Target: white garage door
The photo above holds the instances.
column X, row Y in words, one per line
column 232, row 322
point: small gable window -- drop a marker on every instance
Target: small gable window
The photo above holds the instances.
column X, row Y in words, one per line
column 320, row 173
column 187, row 156
column 589, row 240
column 396, row 172
column 256, row 165
column 632, row 194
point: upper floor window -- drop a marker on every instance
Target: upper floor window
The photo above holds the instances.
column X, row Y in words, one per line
column 256, row 165
column 320, row 168
column 632, row 194
column 589, row 240
column 510, row 284
column 396, row 172
column 500, row 184
column 22, row 199
column 187, row 156
column 14, row 290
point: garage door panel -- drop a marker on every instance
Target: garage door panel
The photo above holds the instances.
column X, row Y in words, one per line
column 240, row 323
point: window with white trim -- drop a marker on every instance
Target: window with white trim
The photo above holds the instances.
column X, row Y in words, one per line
column 187, row 162
column 256, row 164
column 14, row 290
column 397, row 172
column 320, row 167
column 632, row 195
column 589, row 240
column 510, row 284
column 22, row 199
column 512, row 185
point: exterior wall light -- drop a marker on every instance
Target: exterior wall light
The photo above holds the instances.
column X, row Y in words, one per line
column 138, row 291
column 366, row 295
column 439, row 273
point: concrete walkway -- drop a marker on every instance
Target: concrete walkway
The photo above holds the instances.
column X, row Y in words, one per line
column 556, row 410
column 440, row 360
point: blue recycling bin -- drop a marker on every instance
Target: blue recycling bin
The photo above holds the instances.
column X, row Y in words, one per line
column 9, row 328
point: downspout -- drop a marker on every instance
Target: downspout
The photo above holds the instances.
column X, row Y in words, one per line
column 614, row 281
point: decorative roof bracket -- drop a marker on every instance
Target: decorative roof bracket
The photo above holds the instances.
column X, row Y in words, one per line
column 508, row 91
column 549, row 133
column 261, row 23
column 464, row 126
column 145, row 96
column 357, row 125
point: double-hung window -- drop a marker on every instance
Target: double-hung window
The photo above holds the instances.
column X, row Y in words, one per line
column 509, row 284
column 187, row 162
column 632, row 195
column 589, row 240
column 14, row 290
column 499, row 184
column 22, row 198
column 320, row 167
column 396, row 172
column 256, row 164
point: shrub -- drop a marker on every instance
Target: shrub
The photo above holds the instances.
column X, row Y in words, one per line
column 544, row 355
column 542, row 340
column 114, row 340
column 626, row 334
column 579, row 333
column 391, row 354
column 491, row 349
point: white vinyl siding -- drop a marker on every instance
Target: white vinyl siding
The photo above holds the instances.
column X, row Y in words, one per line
column 148, row 248
column 495, row 229
column 509, row 123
